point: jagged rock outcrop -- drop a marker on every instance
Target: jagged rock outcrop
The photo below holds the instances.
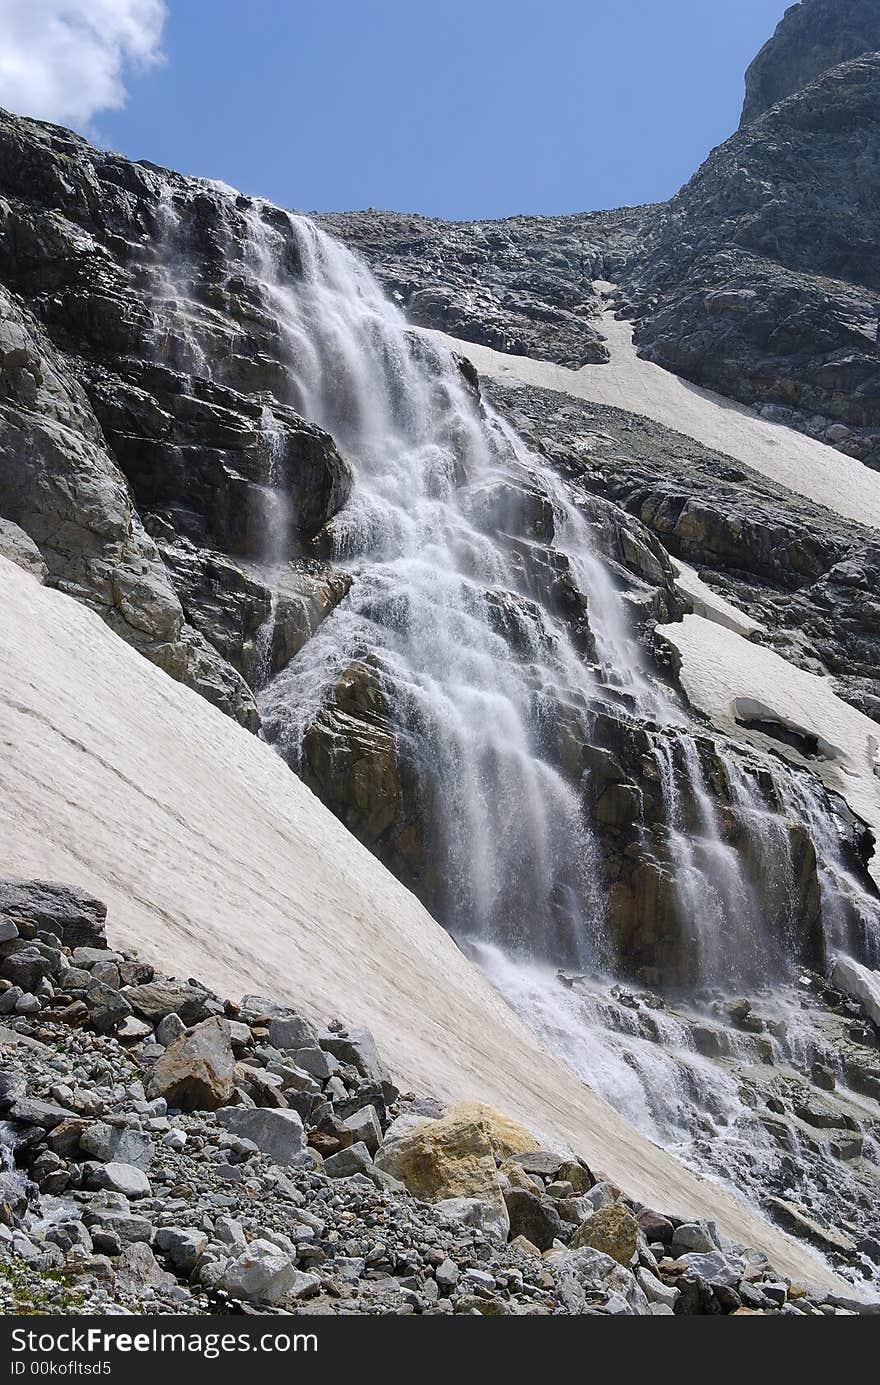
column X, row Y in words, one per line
column 812, row 36
column 761, row 278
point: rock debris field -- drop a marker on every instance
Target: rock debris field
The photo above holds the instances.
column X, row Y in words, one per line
column 165, row 1150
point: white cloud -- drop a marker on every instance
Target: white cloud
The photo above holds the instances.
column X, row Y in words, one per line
column 65, row 60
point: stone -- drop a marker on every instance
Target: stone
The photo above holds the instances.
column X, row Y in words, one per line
column 279, row 1134
column 365, row 1128
column 156, row 999
column 137, row 1268
column 115, row 1177
column 106, row 1006
column 613, row 1230
column 524, row 1246
column 21, row 550
column 577, row 1174
column 119, row 1221
column 29, row 1111
column 132, row 1030
column 655, row 1291
column 454, row 1157
column 315, row 1062
column 305, row 1285
column 229, row 1232
column 355, row 1159
column 183, row 1247
column 172, row 1027
column 714, row 1267
column 586, row 1278
column 175, row 1139
column 117, row 1143
column 798, row 1220
column 74, row 916
column 859, row 982
column 8, row 930
column 693, row 1236
column 461, row 1211
column 26, row 967
column 357, row 1048
column 260, row 1273
column 533, row 1218
column 654, row 1226
column 292, row 1031
column 447, row 1274
column 197, row 1071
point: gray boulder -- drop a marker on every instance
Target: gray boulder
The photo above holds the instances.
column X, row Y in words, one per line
column 75, row 916
column 277, row 1133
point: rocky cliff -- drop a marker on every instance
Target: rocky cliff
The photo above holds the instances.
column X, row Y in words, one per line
column 813, row 36
column 140, row 463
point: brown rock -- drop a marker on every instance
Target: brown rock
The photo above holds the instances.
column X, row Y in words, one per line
column 197, row 1072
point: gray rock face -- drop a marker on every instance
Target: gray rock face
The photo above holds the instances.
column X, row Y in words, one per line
column 761, row 278
column 130, row 404
column 812, row 37
column 21, row 550
column 523, row 285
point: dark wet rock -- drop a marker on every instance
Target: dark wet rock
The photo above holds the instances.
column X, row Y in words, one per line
column 128, row 404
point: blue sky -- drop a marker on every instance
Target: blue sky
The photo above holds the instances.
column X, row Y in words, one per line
column 465, row 108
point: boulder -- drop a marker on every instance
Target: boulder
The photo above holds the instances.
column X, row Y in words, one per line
column 197, row 1072
column 613, row 1230
column 292, row 1032
column 347, row 1162
column 279, row 1134
column 157, row 999
column 694, row 1236
column 117, row 1143
column 182, row 1247
column 533, row 1218
column 115, row 1177
column 76, row 917
column 261, row 1273
column 587, row 1278
column 107, row 1007
column 860, row 983
column 454, row 1157
column 364, row 1126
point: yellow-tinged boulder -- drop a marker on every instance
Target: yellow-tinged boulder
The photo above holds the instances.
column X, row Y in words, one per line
column 455, row 1157
column 613, row 1230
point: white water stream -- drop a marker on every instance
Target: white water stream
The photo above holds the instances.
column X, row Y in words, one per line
column 480, row 599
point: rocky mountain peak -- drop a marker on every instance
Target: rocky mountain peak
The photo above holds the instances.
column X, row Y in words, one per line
column 812, row 37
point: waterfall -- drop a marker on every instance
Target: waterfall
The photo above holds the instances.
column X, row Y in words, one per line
column 488, row 617
column 492, row 638
column 275, row 523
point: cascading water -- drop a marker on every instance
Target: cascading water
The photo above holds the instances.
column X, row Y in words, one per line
column 275, row 521
column 489, row 625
